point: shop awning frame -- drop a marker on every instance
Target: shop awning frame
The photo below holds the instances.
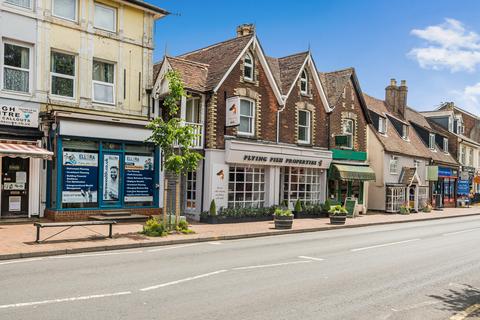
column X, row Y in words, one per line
column 351, row 172
column 24, row 150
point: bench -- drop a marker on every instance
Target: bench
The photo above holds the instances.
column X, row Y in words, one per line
column 69, row 225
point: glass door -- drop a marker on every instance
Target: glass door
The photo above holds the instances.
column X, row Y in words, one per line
column 111, row 179
column 15, row 172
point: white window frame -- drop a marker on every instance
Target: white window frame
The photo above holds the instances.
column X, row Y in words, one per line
column 30, row 66
column 308, row 127
column 382, row 129
column 344, row 130
column 30, row 7
column 114, row 16
column 252, row 118
column 304, row 80
column 445, row 145
column 393, row 166
column 404, row 132
column 113, row 85
column 256, row 179
column 192, row 178
column 194, row 100
column 60, row 75
column 304, row 184
column 65, row 18
column 431, row 141
column 248, row 65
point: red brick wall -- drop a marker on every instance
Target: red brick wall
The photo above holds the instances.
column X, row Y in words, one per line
column 79, row 215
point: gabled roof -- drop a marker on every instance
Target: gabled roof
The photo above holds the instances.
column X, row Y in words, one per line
column 193, row 74
column 287, row 69
column 219, row 57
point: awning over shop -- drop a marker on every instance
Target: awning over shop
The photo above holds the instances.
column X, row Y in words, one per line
column 14, row 150
column 350, row 173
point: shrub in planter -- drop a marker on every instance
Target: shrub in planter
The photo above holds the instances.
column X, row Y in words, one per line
column 326, row 206
column 154, row 228
column 283, row 219
column 313, row 211
column 427, row 208
column 404, row 210
column 213, row 208
column 182, row 227
column 298, row 210
column 338, row 214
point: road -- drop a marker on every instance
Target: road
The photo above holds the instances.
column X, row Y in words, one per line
column 418, row 270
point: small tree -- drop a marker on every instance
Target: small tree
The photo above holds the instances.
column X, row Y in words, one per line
column 174, row 139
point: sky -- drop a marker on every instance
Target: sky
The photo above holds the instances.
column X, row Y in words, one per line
column 432, row 44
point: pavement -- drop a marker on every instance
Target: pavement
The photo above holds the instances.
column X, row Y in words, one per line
column 417, row 270
column 18, row 240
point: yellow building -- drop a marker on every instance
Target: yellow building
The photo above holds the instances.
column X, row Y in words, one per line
column 95, row 74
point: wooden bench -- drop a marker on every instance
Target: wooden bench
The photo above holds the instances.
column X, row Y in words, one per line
column 69, row 225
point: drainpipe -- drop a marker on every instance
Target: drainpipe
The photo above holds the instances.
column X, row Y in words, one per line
column 149, row 99
column 278, row 118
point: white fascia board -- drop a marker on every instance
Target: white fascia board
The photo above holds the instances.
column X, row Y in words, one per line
column 158, row 82
column 296, row 78
column 323, row 96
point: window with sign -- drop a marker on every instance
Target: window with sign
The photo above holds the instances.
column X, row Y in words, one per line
column 103, row 82
column 247, row 117
column 16, row 67
column 62, row 74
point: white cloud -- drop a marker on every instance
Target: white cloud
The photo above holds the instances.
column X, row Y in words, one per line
column 448, row 46
column 469, row 98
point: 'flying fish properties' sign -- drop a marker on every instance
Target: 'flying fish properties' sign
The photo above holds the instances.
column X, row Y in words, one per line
column 234, row 156
column 18, row 116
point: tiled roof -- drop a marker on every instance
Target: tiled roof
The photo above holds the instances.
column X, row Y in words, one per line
column 275, row 68
column 219, row 57
column 392, row 141
column 334, row 83
column 289, row 69
column 194, row 75
column 156, row 70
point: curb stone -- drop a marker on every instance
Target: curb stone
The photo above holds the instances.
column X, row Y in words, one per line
column 208, row 239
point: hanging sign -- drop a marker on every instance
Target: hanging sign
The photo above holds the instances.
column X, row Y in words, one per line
column 18, row 116
column 139, row 178
column 80, row 177
column 233, row 112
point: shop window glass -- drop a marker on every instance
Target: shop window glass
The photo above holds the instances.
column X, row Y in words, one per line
column 111, row 146
column 191, row 190
column 63, row 74
column 246, row 187
column 302, row 184
column 139, row 148
column 16, row 68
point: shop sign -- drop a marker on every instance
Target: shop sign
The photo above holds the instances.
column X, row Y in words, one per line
column 13, row 186
column 259, row 158
column 80, row 177
column 139, row 177
column 445, row 172
column 111, row 177
column 18, row 116
column 233, row 112
column 432, row 173
column 220, row 185
column 463, row 188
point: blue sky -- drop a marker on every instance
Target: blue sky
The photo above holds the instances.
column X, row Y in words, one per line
column 433, row 44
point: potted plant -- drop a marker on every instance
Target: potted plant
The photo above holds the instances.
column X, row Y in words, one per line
column 326, row 207
column 404, row 209
column 298, row 209
column 427, row 208
column 211, row 215
column 283, row 218
column 338, row 214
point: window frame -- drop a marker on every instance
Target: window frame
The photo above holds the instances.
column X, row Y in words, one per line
column 384, row 121
column 60, row 75
column 113, row 85
column 304, row 81
column 75, row 19
column 248, row 65
column 445, row 145
column 30, row 66
column 393, row 160
column 252, row 118
column 344, row 131
column 308, row 127
column 405, row 132
column 431, row 141
column 194, row 100
column 30, row 7
column 115, row 16
column 191, row 202
column 254, row 177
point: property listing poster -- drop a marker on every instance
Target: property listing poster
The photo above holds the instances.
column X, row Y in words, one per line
column 80, row 177
column 111, row 177
column 139, row 178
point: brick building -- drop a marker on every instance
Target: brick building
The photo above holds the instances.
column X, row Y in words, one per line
column 261, row 125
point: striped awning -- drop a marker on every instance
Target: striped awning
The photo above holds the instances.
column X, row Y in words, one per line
column 24, row 150
column 352, row 172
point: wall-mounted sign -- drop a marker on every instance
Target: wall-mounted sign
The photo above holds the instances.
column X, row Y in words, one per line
column 463, row 188
column 233, row 112
column 220, row 185
column 80, row 177
column 14, row 203
column 445, row 172
column 432, row 173
column 13, row 186
column 139, row 178
column 18, row 116
column 259, row 158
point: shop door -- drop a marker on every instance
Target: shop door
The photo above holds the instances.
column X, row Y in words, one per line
column 15, row 187
column 112, row 176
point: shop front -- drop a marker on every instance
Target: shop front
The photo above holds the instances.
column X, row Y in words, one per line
column 22, row 160
column 99, row 172
column 252, row 175
column 445, row 188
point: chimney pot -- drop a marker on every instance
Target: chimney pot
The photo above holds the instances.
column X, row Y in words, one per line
column 393, row 82
column 403, row 83
column 245, row 29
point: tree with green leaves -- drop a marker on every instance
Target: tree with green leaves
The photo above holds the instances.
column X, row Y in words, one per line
column 171, row 135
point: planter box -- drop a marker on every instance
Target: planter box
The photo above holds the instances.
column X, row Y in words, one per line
column 220, row 219
column 338, row 219
column 283, row 222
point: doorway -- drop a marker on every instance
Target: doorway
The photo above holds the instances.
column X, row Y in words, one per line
column 15, row 173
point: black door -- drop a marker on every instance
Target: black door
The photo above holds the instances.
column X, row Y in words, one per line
column 15, row 173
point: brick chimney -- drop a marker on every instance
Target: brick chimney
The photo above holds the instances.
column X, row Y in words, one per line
column 391, row 95
column 245, row 29
column 402, row 97
column 396, row 96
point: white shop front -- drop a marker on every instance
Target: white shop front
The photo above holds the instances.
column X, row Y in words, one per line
column 251, row 175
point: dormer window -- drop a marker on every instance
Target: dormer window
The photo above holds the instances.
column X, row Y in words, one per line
column 304, row 82
column 382, row 125
column 445, row 145
column 404, row 132
column 248, row 67
column 431, row 141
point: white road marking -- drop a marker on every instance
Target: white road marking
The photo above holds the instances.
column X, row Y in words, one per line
column 383, row 245
column 214, row 242
column 183, row 280
column 174, row 247
column 462, row 231
column 21, row 260
column 35, row 303
column 68, row 256
column 465, row 313
column 271, row 265
column 311, row 258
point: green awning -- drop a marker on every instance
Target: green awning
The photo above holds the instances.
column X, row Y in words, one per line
column 350, row 173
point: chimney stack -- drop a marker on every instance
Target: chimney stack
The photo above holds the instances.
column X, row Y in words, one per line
column 391, row 95
column 402, row 97
column 396, row 96
column 245, row 29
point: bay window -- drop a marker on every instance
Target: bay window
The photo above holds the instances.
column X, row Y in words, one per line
column 65, row 9
column 105, row 17
column 304, row 126
column 62, row 74
column 247, row 117
column 103, row 82
column 16, row 68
